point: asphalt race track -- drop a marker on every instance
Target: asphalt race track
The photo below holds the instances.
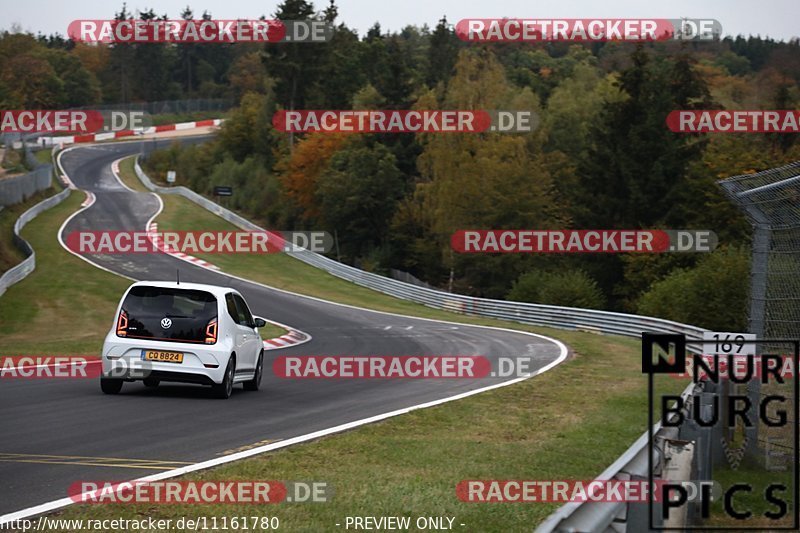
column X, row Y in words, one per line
column 56, row 432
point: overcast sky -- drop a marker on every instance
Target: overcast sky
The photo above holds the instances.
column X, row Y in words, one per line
column 775, row 18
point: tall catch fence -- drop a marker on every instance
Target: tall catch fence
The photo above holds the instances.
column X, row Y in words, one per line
column 170, row 107
column 771, row 200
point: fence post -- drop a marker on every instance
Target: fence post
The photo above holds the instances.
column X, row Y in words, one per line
column 759, row 196
column 678, row 459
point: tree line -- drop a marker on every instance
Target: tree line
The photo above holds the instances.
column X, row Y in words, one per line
column 602, row 156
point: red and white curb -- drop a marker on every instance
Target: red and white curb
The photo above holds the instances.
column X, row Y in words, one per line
column 181, row 126
column 155, row 237
column 94, row 137
column 293, row 338
column 50, row 506
column 90, row 198
column 67, row 182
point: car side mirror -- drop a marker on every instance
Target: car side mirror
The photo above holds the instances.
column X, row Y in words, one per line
column 259, row 322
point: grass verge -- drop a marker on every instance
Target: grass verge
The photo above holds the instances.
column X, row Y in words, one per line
column 10, row 255
column 753, row 501
column 271, row 331
column 65, row 306
column 409, row 466
column 568, row 423
column 44, row 156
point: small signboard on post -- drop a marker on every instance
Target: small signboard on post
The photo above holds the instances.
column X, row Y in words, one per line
column 221, row 190
column 170, row 176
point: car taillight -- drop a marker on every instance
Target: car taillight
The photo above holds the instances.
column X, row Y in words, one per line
column 122, row 324
column 211, row 331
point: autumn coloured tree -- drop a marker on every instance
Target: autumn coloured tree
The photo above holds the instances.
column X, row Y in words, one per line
column 600, row 156
column 309, row 159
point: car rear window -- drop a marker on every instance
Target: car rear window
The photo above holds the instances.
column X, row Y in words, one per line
column 171, row 314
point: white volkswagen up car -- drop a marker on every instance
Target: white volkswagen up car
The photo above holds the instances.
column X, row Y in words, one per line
column 183, row 332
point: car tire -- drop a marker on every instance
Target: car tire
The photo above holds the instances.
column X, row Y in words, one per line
column 224, row 390
column 255, row 383
column 151, row 382
column 110, row 385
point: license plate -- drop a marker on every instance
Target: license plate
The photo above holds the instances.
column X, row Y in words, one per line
column 162, row 357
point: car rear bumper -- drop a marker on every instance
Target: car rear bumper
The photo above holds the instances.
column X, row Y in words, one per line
column 204, row 364
column 181, row 377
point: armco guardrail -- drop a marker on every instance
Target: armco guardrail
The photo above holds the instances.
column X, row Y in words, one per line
column 202, row 201
column 573, row 517
column 591, row 516
column 27, row 266
column 601, row 517
column 526, row 313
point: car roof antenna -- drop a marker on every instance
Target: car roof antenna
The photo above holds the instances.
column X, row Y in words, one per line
column 178, row 273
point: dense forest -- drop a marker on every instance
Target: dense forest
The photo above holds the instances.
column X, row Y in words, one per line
column 602, row 156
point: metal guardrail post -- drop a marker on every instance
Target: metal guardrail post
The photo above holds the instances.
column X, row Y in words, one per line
column 638, row 514
column 606, row 322
column 633, row 464
column 679, row 456
column 768, row 198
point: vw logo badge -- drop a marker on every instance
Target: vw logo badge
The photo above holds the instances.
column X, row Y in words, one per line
column 166, row 323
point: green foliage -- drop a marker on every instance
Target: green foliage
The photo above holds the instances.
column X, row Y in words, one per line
column 257, row 191
column 340, row 74
column 295, row 67
column 248, row 129
column 490, row 180
column 358, row 194
column 569, row 288
column 442, row 53
column 635, row 163
column 79, row 86
column 713, row 294
column 601, row 156
column 368, row 97
column 575, row 105
column 255, row 188
column 734, row 64
column 640, row 271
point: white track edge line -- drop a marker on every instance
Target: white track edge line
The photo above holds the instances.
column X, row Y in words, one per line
column 150, row 221
column 73, row 215
column 64, row 502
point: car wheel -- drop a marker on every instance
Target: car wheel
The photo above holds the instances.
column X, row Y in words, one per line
column 110, row 385
column 151, row 382
column 225, row 389
column 255, row 383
